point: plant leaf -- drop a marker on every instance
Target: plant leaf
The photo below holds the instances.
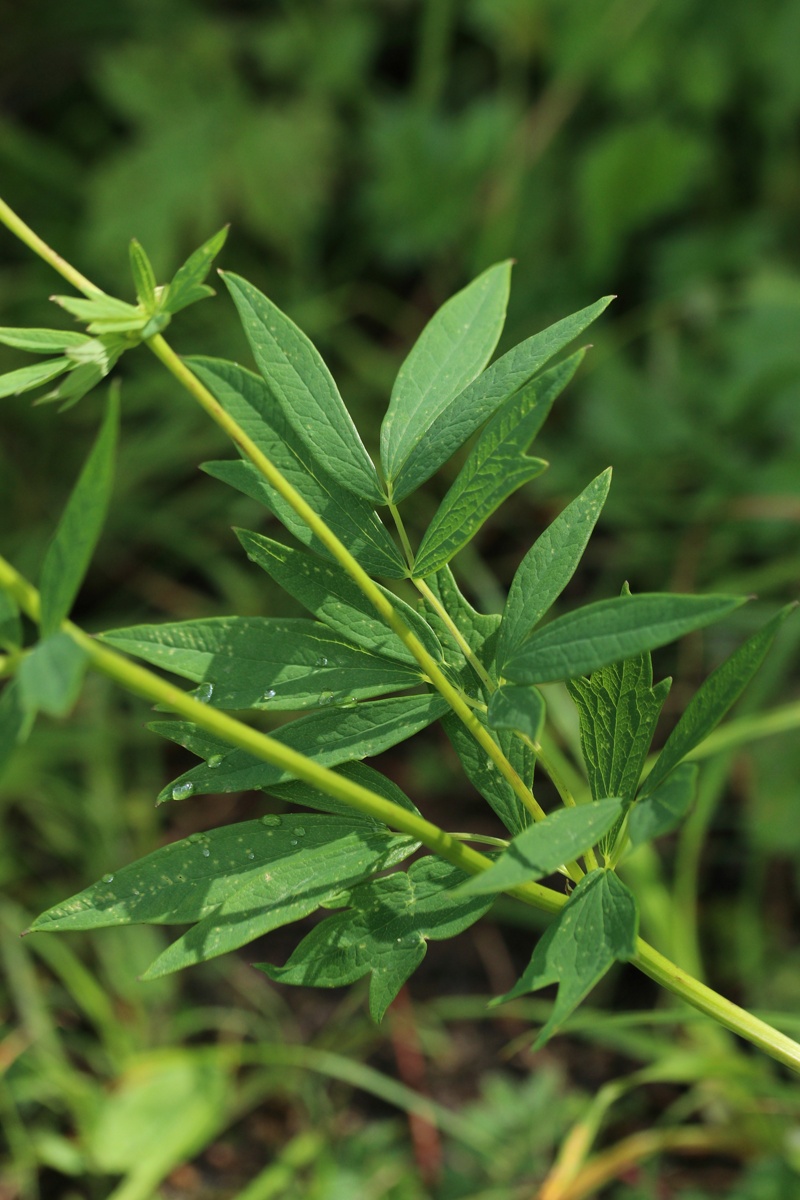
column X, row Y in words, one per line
column 496, row 467
column 596, row 927
column 618, row 709
column 78, row 531
column 330, row 736
column 467, row 411
column 329, row 593
column 144, row 279
column 452, row 349
column 14, row 383
column 297, row 791
column 484, row 776
column 383, row 932
column 514, row 706
column 187, row 285
column 610, row 630
column 15, row 721
column 304, row 389
column 251, row 403
column 99, row 308
column 262, row 662
column 478, row 629
column 41, row 341
column 50, row 676
column 665, row 807
column 713, row 699
column 549, row 565
column 217, row 881
column 544, row 846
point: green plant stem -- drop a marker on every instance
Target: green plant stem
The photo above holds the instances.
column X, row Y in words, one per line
column 151, row 687
column 401, row 529
column 32, row 240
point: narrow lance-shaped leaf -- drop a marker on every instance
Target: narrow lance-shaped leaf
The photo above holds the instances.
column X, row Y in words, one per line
column 596, row 927
column 470, row 408
column 263, row 662
column 383, row 933
column 484, row 776
column 144, row 279
column 27, row 378
column 73, row 544
column 188, row 285
column 330, row 736
column 544, row 846
column 297, row 791
column 665, row 807
column 618, row 709
column 50, row 676
column 15, row 720
column 250, row 401
column 327, row 591
column 41, row 341
column 549, row 565
column 496, row 467
column 452, row 349
column 233, row 884
column 609, row 631
column 713, row 699
column 305, row 389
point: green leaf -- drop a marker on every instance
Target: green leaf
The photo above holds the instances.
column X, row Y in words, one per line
column 549, row 565
column 297, row 791
column 467, row 411
column 618, row 709
column 41, row 341
column 15, row 721
column 596, row 927
column 665, row 807
column 26, row 378
column 99, row 308
column 303, row 387
column 50, row 676
column 713, row 699
column 251, row 403
column 544, row 846
column 187, row 285
column 484, row 776
column 517, row 707
column 217, row 882
column 496, row 467
column 452, row 349
column 329, row 593
column 383, row 933
column 75, row 386
column 73, row 544
column 144, row 279
column 478, row 629
column 263, row 662
column 610, row 630
column 330, row 736
column 10, row 624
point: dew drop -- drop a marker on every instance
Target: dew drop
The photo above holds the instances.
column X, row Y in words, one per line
column 268, row 695
column 204, row 693
column 299, row 831
column 182, row 790
column 108, row 879
column 270, row 819
column 250, row 855
column 194, row 838
column 321, row 661
column 350, row 702
column 326, row 698
column 206, row 852
column 489, row 765
column 215, row 760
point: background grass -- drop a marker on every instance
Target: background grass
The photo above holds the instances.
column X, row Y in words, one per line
column 372, row 157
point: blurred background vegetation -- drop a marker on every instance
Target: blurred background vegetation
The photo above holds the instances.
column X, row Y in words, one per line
column 372, row 157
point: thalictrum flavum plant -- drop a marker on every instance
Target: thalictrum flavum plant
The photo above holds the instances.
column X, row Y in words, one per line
column 367, row 669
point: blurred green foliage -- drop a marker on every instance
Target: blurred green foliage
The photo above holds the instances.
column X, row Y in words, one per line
column 373, row 155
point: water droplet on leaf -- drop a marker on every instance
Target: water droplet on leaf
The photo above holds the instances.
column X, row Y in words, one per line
column 299, row 831
column 269, row 694
column 204, row 693
column 108, row 879
column 326, row 698
column 206, row 852
column 215, row 760
column 182, row 790
column 270, row 819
